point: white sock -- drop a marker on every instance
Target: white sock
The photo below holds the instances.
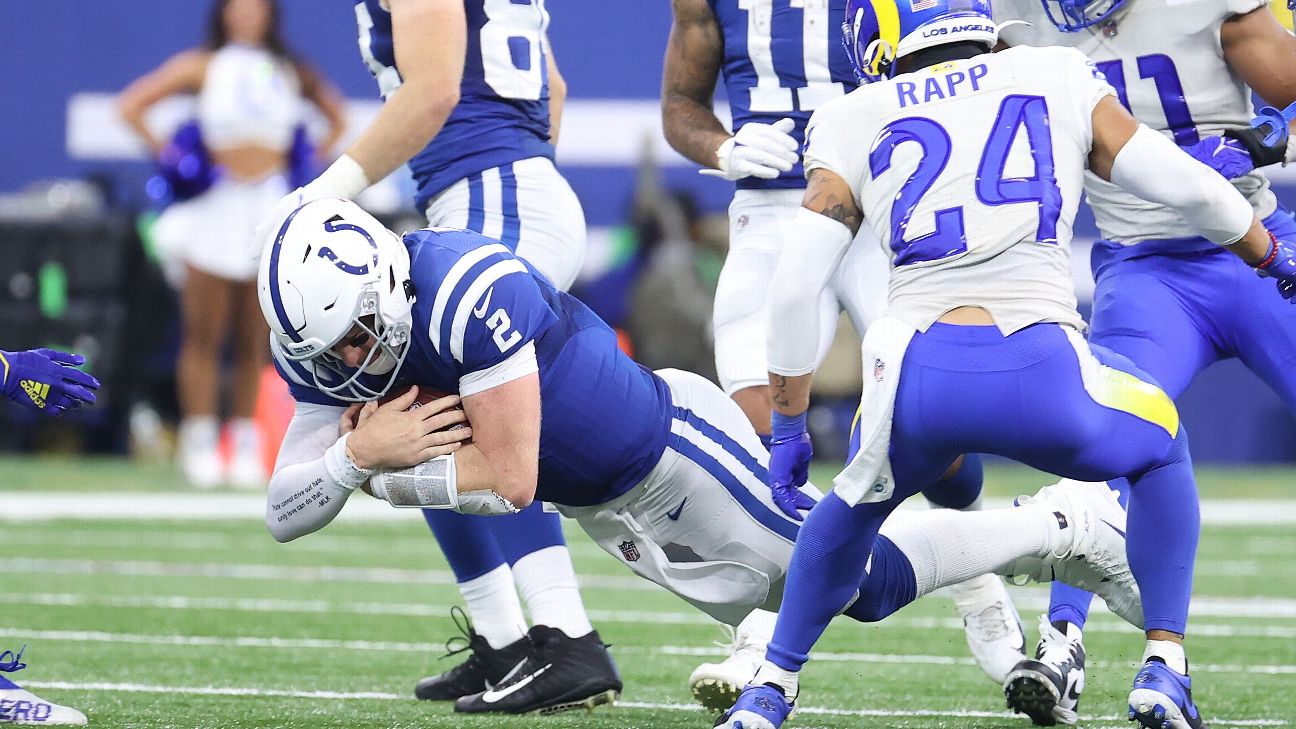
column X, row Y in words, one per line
column 975, row 594
column 946, row 547
column 1170, row 652
column 494, row 608
column 772, row 674
column 548, row 586
column 758, row 626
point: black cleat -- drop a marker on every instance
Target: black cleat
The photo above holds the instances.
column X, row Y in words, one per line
column 560, row 674
column 485, row 666
column 1047, row 688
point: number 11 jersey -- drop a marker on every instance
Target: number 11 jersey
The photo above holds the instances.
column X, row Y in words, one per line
column 1165, row 61
column 503, row 110
column 782, row 59
column 970, row 173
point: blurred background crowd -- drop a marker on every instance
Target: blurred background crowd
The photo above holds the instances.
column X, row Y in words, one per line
column 107, row 249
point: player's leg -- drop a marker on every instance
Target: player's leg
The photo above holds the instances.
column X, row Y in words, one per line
column 530, row 208
column 207, row 310
column 496, row 635
column 250, row 356
column 1262, row 329
column 20, row 706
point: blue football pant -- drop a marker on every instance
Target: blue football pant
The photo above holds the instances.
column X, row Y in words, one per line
column 971, row 390
column 1175, row 314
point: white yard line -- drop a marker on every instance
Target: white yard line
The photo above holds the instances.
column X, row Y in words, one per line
column 331, row 644
column 644, row 705
column 635, row 617
column 29, row 506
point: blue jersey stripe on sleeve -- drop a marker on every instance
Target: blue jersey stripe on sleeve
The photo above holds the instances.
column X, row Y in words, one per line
column 452, row 287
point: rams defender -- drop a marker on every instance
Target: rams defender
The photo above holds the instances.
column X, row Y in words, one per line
column 780, row 60
column 45, row 381
column 969, row 167
column 1186, row 68
column 473, row 98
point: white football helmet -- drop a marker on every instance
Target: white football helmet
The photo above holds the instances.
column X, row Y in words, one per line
column 330, row 267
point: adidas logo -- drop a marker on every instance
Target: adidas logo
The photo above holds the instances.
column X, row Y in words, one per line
column 37, row 391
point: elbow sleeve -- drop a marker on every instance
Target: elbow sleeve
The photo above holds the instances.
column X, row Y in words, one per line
column 814, row 249
column 1153, row 168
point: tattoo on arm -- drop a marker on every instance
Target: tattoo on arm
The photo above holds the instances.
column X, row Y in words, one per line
column 777, row 394
column 827, row 194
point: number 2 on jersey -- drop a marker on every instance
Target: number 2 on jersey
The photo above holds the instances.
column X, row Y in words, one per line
column 950, row 237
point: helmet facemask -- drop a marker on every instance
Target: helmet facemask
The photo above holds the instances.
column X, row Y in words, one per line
column 1070, row 16
column 391, row 345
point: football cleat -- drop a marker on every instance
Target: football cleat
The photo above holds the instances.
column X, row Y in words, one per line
column 1162, row 699
column 485, row 666
column 990, row 624
column 1048, row 687
column 758, row 707
column 20, row 706
column 717, row 685
column 559, row 674
column 1088, row 548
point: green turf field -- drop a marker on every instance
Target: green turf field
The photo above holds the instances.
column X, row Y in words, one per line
column 209, row 623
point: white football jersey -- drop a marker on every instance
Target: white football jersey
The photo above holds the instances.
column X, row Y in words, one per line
column 970, row 173
column 1164, row 59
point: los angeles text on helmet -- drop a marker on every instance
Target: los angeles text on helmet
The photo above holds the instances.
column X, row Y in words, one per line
column 955, row 29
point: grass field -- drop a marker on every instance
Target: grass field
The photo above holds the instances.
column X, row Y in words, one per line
column 206, row 622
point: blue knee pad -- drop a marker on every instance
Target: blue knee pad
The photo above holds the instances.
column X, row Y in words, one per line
column 888, row 586
column 960, row 490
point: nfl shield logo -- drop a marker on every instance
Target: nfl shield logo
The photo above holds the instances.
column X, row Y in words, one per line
column 879, row 370
column 629, row 550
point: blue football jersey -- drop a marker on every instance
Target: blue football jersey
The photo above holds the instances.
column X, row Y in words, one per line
column 503, row 110
column 782, row 58
column 606, row 419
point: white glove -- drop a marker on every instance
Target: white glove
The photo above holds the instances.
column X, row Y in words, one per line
column 344, row 179
column 757, row 150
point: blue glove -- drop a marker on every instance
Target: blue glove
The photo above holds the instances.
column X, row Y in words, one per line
column 1280, row 264
column 1225, row 155
column 789, row 469
column 46, row 380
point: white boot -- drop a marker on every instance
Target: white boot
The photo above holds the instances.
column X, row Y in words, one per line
column 990, row 624
column 20, row 706
column 199, row 451
column 246, row 469
column 717, row 685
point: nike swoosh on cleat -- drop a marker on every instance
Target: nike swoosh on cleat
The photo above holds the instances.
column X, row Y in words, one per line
column 674, row 514
column 1117, row 529
column 492, row 697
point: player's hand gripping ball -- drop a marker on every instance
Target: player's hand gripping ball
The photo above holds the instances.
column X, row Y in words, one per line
column 405, row 429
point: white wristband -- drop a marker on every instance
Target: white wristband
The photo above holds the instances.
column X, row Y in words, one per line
column 345, row 178
column 340, row 466
column 429, row 485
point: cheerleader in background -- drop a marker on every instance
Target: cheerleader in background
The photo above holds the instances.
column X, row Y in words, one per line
column 252, row 95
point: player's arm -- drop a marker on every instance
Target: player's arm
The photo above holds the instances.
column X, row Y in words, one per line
column 181, row 73
column 1150, row 166
column 328, row 99
column 430, row 40
column 504, row 456
column 329, row 451
column 557, row 94
column 816, row 240
column 1263, row 53
column 694, row 53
